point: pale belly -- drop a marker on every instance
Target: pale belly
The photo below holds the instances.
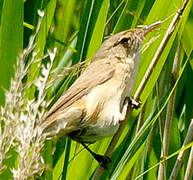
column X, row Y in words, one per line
column 92, row 134
column 103, row 124
column 104, row 107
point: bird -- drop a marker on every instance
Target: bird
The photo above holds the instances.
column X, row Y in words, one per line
column 95, row 104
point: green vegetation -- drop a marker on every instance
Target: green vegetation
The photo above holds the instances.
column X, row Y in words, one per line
column 66, row 33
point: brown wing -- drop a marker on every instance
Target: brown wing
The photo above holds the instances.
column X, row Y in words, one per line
column 96, row 73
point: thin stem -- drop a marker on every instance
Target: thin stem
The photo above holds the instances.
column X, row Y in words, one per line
column 169, row 115
column 189, row 169
column 139, row 125
column 66, row 160
column 140, row 119
column 181, row 155
column 160, row 50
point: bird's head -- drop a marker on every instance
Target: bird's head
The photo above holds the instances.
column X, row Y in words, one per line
column 126, row 44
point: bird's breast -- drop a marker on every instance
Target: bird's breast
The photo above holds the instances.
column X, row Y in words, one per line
column 104, row 103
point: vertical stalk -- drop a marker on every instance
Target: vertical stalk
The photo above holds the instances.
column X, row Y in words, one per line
column 181, row 155
column 189, row 169
column 139, row 124
column 169, row 116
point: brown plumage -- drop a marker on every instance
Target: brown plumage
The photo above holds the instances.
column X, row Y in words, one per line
column 93, row 106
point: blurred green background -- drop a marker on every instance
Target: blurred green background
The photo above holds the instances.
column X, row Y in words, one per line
column 77, row 28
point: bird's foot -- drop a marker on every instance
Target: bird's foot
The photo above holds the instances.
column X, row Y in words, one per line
column 104, row 161
column 135, row 104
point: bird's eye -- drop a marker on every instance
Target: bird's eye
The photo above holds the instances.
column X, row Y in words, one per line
column 126, row 40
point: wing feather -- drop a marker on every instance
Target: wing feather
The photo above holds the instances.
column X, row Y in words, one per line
column 95, row 74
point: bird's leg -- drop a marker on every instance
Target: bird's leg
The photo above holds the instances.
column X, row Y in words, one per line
column 102, row 160
column 135, row 104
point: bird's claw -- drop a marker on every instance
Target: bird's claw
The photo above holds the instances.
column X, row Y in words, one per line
column 135, row 104
column 103, row 160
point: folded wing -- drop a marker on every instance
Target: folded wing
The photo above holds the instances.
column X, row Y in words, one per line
column 98, row 72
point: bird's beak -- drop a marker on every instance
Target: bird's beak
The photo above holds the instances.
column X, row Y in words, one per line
column 151, row 27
